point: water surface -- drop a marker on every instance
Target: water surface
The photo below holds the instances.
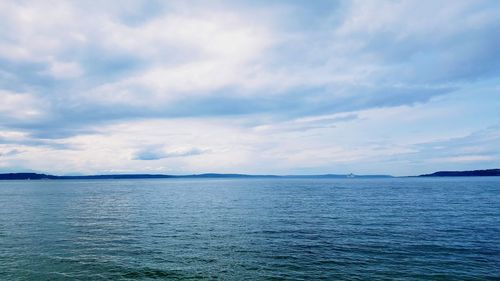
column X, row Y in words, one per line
column 251, row 229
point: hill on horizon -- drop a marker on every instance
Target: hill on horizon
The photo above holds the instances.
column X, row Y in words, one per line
column 474, row 173
column 41, row 176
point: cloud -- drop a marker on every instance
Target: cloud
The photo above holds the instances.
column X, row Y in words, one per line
column 64, row 70
column 466, row 159
column 157, row 153
column 475, row 150
column 308, row 123
column 20, row 106
column 474, row 147
column 270, row 76
column 196, row 59
column 8, row 153
column 452, row 43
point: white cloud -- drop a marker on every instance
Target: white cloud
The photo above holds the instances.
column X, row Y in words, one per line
column 64, row 70
column 465, row 159
column 212, row 51
column 20, row 106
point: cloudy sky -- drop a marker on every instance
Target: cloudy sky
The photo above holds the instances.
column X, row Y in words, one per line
column 282, row 87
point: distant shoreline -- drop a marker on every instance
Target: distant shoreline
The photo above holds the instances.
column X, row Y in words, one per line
column 474, row 173
column 40, row 176
column 37, row 176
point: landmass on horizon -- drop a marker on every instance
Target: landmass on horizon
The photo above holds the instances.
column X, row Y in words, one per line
column 475, row 173
column 38, row 176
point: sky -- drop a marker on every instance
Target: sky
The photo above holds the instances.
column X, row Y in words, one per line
column 259, row 87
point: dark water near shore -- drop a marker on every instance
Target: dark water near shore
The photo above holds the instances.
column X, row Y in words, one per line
column 272, row 229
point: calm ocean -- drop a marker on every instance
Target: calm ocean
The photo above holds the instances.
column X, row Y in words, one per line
column 251, row 229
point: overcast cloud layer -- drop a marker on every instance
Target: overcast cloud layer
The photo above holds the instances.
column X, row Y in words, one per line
column 283, row 87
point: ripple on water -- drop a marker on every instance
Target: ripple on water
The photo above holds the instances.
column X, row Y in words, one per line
column 413, row 229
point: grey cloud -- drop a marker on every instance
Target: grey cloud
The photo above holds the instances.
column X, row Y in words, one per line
column 410, row 68
column 305, row 125
column 10, row 152
column 324, row 122
column 33, row 141
column 476, row 150
column 160, row 153
column 483, row 142
column 75, row 119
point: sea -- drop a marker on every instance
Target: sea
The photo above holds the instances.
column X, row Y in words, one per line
column 251, row 229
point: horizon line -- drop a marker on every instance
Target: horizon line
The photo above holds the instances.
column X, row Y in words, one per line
column 40, row 175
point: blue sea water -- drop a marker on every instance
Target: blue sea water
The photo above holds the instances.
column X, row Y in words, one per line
column 251, row 229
